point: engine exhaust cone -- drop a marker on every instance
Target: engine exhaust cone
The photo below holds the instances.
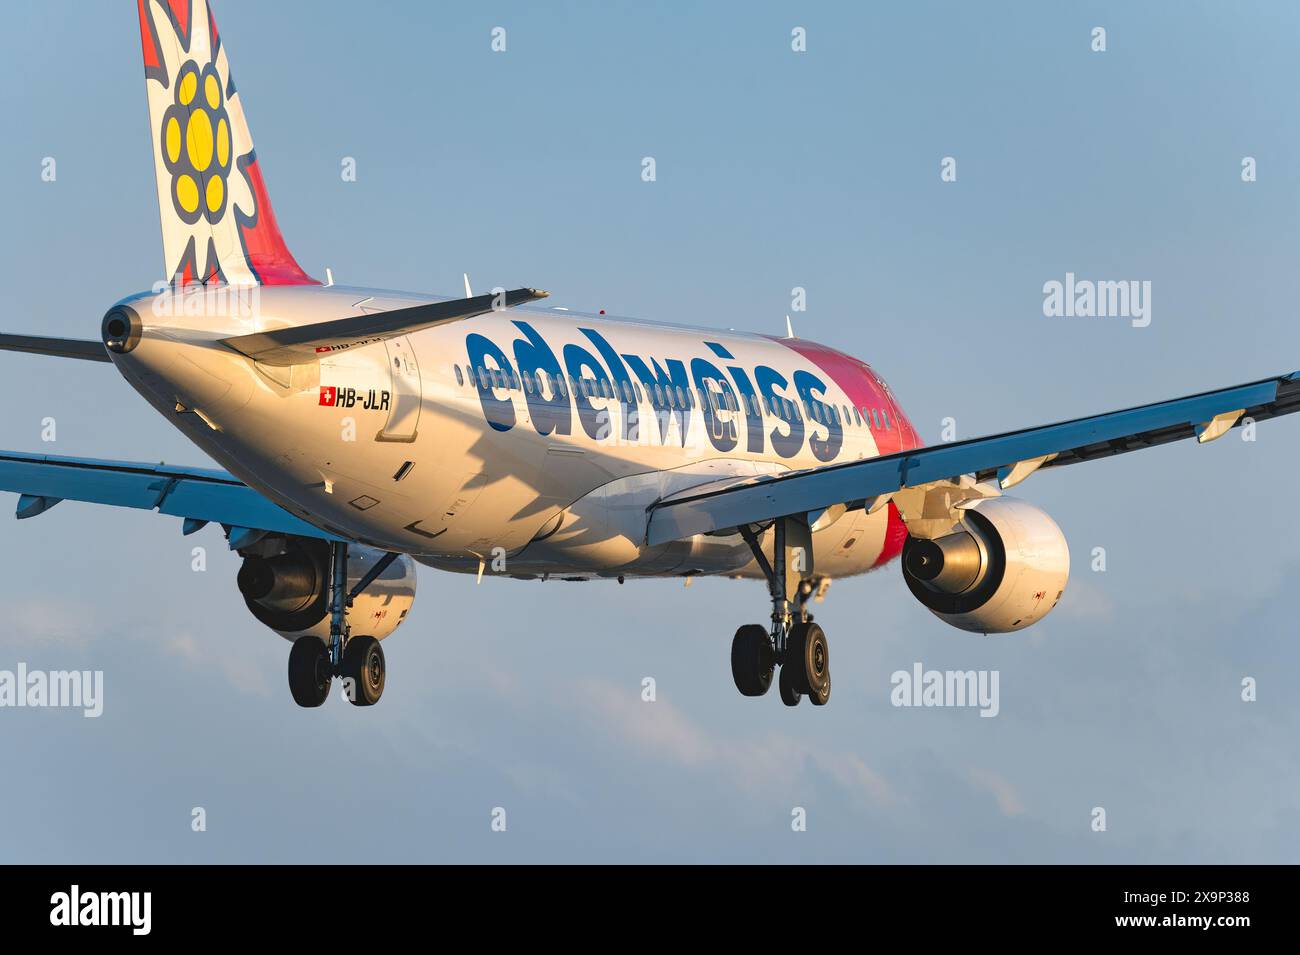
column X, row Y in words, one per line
column 948, row 565
column 286, row 579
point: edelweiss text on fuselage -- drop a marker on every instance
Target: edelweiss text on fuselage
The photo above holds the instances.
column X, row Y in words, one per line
column 553, row 386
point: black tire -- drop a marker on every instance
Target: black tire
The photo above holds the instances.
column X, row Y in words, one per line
column 821, row 696
column 809, row 655
column 364, row 670
column 752, row 660
column 789, row 695
column 309, row 671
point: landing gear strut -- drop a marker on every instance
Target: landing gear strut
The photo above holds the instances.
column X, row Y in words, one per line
column 794, row 643
column 313, row 663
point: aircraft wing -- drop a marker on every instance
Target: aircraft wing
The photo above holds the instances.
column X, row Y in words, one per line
column 304, row 343
column 199, row 495
column 1010, row 457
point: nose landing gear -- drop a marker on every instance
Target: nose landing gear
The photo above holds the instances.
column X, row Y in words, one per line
column 795, row 643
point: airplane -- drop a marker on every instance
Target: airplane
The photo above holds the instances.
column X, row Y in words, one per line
column 363, row 431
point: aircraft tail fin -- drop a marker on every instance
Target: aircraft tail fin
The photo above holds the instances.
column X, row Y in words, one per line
column 217, row 222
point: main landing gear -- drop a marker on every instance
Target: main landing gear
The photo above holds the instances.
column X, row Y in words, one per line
column 313, row 664
column 795, row 644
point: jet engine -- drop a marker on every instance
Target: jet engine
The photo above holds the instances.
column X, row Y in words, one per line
column 1003, row 569
column 286, row 586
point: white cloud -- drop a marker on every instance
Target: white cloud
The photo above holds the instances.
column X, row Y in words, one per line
column 664, row 731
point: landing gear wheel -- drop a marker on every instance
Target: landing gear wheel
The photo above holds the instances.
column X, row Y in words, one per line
column 363, row 665
column 752, row 660
column 309, row 671
column 809, row 657
column 789, row 695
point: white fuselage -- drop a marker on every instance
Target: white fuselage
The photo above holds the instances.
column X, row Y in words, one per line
column 536, row 434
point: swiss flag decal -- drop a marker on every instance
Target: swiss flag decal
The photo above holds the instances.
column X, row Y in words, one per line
column 328, row 394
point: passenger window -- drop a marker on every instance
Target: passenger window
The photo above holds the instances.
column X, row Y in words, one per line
column 681, row 398
column 857, row 417
column 460, row 379
column 637, row 386
column 885, row 417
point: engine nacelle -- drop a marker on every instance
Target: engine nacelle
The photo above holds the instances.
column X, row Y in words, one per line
column 288, row 591
column 1004, row 570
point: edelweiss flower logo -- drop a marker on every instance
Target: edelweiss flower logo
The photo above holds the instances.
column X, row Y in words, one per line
column 196, row 144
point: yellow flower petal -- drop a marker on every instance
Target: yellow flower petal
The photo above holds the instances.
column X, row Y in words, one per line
column 198, row 140
column 216, row 189
column 173, row 138
column 223, row 143
column 187, row 193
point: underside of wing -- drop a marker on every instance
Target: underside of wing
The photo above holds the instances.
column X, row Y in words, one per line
column 199, row 495
column 1009, row 458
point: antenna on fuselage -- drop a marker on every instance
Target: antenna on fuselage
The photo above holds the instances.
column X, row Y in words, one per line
column 789, row 329
column 468, row 291
column 329, row 277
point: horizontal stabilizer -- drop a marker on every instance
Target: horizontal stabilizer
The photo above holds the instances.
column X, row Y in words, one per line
column 306, row 343
column 93, row 350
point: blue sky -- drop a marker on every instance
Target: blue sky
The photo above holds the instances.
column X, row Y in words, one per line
column 774, row 170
